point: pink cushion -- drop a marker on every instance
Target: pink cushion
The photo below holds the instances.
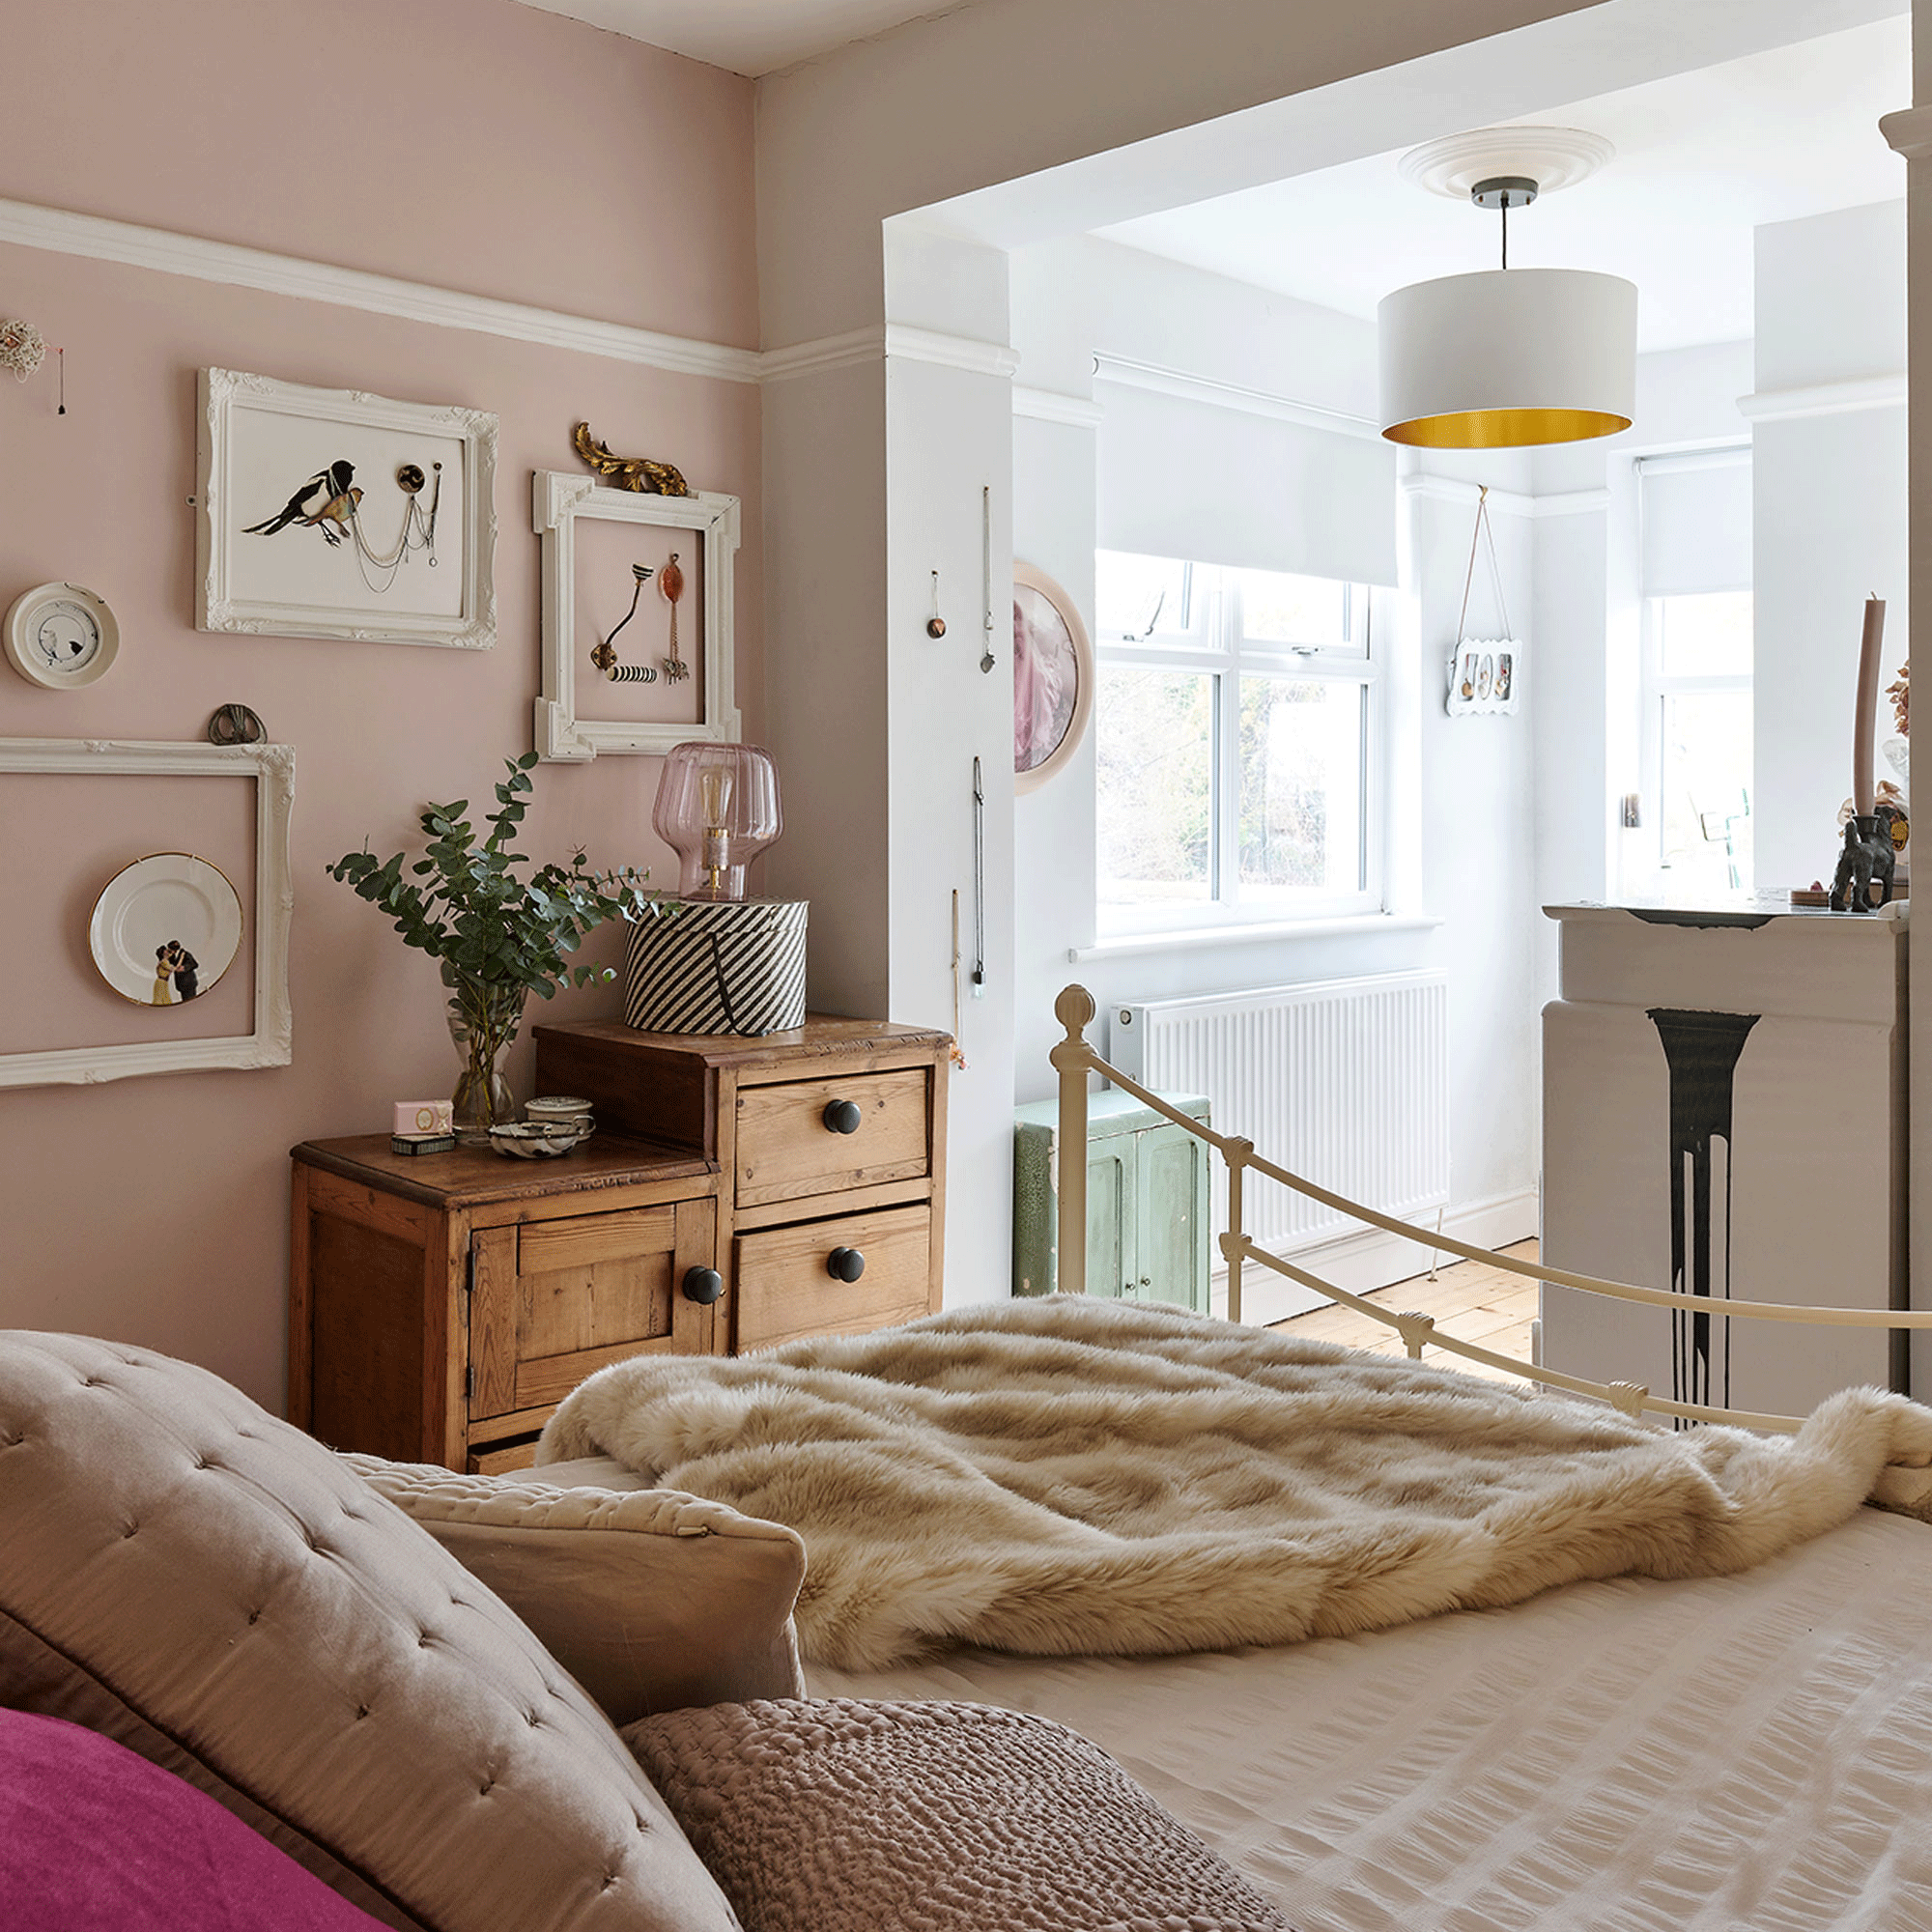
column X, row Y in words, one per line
column 94, row 1838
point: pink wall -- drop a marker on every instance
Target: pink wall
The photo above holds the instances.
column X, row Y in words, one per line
column 469, row 143
column 566, row 167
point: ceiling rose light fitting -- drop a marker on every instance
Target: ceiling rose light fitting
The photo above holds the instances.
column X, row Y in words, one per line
column 1508, row 358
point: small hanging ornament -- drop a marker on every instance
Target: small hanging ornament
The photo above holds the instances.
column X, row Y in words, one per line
column 605, row 656
column 670, row 580
column 20, row 348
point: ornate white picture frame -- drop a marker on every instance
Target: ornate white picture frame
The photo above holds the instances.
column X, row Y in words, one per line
column 269, row 1043
column 329, row 513
column 559, row 500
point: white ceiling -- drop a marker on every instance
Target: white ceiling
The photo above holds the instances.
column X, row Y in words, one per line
column 1702, row 159
column 750, row 37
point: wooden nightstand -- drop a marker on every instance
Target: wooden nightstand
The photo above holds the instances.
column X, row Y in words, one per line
column 442, row 1305
column 830, row 1137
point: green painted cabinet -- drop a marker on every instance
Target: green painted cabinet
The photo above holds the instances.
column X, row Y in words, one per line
column 1146, row 1200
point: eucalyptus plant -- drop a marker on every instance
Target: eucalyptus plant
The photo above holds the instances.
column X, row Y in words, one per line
column 500, row 933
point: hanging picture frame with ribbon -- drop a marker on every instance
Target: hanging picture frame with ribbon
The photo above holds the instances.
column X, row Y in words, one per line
column 1484, row 674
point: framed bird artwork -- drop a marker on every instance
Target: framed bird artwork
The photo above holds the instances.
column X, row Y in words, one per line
column 332, row 513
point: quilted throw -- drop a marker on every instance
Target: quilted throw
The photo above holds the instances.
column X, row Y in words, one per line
column 1075, row 1476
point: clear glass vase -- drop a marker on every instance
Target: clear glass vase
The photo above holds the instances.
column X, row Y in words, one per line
column 484, row 1015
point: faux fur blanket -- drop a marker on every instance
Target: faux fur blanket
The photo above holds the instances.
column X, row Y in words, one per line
column 1071, row 1476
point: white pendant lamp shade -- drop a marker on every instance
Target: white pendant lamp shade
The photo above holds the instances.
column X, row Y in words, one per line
column 1508, row 358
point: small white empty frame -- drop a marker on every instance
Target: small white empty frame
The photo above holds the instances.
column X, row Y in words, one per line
column 272, row 767
column 557, row 500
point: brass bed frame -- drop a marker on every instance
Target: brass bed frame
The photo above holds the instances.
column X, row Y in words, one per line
column 1074, row 1058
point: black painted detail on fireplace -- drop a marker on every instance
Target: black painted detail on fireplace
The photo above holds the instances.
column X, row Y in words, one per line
column 1701, row 1050
column 1684, row 916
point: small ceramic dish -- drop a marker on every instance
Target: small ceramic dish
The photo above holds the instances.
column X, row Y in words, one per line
column 562, row 1110
column 534, row 1140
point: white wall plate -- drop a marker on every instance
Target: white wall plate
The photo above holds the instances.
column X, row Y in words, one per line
column 61, row 635
column 165, row 928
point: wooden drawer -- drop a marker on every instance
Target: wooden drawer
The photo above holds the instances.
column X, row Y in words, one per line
column 784, row 1290
column 555, row 1300
column 785, row 1152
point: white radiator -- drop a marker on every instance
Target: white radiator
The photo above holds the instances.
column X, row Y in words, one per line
column 1342, row 1081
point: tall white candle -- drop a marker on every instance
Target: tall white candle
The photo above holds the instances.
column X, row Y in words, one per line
column 1864, row 796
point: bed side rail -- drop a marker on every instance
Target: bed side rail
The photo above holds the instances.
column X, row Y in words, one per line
column 1074, row 1058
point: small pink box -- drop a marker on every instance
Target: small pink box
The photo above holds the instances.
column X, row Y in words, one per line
column 422, row 1116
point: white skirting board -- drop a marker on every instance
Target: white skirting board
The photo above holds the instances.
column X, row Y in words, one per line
column 1369, row 1260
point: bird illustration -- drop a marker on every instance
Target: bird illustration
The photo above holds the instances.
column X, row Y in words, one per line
column 310, row 502
column 339, row 510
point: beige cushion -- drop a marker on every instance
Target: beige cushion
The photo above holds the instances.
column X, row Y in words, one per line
column 837, row 1815
column 213, row 1588
column 651, row 1600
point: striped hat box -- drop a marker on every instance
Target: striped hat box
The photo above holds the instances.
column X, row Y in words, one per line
column 723, row 966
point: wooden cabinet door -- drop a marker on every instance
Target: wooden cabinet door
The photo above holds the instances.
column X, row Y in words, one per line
column 553, row 1301
column 1111, row 1257
column 1171, row 1210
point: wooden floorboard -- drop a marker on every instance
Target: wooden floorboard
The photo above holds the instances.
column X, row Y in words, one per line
column 1469, row 1299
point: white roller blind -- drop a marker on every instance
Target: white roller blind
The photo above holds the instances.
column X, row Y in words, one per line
column 1178, row 478
column 1696, row 523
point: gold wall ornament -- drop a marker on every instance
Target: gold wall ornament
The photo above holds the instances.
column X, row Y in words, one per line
column 629, row 473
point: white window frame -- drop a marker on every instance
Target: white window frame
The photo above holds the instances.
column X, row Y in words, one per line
column 1655, row 686
column 1215, row 644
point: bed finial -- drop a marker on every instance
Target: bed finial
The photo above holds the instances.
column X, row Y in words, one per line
column 1074, row 1009
column 1073, row 1059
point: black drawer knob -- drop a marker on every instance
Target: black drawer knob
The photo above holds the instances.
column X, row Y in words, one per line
column 703, row 1285
column 844, row 1263
column 842, row 1116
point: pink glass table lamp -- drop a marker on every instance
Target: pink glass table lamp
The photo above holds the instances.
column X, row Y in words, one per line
column 716, row 809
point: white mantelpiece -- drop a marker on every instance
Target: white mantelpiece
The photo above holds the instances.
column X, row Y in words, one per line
column 1759, row 1051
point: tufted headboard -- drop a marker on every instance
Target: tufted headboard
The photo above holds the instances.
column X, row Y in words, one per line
column 204, row 1583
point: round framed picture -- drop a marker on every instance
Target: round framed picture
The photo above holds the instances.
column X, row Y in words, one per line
column 1053, row 678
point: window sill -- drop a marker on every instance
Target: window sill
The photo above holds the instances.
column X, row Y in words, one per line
column 1199, row 938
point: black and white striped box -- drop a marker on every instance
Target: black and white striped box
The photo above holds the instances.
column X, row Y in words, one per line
column 718, row 966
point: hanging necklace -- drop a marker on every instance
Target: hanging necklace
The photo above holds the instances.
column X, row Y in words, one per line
column 670, row 580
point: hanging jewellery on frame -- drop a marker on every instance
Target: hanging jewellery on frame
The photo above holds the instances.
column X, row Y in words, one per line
column 670, row 580
column 605, row 656
column 418, row 531
column 331, row 501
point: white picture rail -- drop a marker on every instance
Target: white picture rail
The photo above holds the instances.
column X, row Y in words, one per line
column 559, row 500
column 272, row 767
column 330, row 513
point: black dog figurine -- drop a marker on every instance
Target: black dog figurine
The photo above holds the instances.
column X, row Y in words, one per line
column 1868, row 858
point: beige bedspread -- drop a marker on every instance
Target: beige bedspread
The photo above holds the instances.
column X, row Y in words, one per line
column 1071, row 1476
column 1741, row 1753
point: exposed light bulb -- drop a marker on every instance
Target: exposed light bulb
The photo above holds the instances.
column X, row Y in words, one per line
column 713, row 791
